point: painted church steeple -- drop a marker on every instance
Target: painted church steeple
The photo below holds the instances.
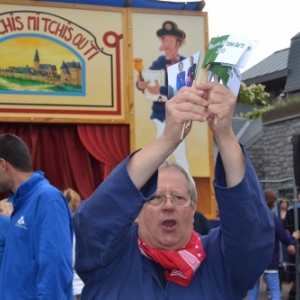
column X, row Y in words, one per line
column 36, row 61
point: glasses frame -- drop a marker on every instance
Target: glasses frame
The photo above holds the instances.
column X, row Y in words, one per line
column 163, row 202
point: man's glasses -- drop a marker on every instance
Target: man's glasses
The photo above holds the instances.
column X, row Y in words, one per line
column 160, row 199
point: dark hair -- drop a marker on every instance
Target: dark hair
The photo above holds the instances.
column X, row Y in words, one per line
column 270, row 198
column 15, row 151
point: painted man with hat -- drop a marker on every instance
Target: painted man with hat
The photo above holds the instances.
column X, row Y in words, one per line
column 171, row 40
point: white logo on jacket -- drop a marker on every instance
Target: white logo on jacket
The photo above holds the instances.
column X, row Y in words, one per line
column 21, row 223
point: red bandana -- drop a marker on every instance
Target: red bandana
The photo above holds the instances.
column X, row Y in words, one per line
column 173, row 61
column 182, row 263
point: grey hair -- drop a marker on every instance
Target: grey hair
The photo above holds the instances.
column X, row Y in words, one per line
column 191, row 183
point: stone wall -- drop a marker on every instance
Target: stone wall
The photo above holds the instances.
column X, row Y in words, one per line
column 272, row 155
column 255, row 153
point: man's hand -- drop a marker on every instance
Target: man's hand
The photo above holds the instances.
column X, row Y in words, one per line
column 296, row 234
column 221, row 104
column 154, row 89
column 141, row 84
column 291, row 249
column 186, row 105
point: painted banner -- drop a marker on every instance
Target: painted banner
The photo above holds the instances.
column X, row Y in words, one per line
column 165, row 43
column 61, row 64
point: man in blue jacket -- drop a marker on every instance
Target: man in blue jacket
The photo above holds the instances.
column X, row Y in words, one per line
column 135, row 237
column 37, row 261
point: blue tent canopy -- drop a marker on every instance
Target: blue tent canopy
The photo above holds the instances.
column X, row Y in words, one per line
column 151, row 4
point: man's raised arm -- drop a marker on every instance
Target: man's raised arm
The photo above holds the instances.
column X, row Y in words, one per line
column 186, row 105
column 221, row 104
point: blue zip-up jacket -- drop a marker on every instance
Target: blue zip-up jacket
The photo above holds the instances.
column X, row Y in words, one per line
column 37, row 262
column 109, row 261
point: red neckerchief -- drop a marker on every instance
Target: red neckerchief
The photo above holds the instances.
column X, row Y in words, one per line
column 173, row 61
column 182, row 263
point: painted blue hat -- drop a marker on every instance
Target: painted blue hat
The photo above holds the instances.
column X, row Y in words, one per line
column 170, row 28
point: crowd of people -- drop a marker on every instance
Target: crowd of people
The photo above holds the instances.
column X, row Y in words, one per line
column 271, row 274
column 136, row 236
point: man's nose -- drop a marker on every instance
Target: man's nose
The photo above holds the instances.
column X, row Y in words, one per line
column 163, row 47
column 169, row 203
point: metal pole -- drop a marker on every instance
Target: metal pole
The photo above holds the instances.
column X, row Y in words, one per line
column 297, row 266
column 277, row 180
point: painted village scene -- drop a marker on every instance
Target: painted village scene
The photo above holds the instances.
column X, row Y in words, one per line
column 36, row 75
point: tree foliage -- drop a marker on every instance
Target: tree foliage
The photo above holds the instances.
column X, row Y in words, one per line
column 254, row 94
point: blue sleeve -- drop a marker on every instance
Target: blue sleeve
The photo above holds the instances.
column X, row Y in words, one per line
column 281, row 233
column 53, row 247
column 247, row 228
column 102, row 222
column 159, row 64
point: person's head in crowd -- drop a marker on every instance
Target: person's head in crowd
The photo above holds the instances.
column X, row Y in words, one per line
column 6, row 208
column 281, row 98
column 271, row 198
column 15, row 162
column 284, row 204
column 180, row 66
column 73, row 199
column 192, row 60
column 166, row 221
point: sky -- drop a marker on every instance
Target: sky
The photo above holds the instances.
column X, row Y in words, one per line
column 49, row 52
column 273, row 23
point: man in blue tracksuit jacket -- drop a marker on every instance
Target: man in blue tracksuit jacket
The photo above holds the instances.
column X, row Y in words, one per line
column 138, row 215
column 37, row 261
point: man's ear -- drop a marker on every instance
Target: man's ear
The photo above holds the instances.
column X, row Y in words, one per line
column 178, row 44
column 3, row 164
column 195, row 206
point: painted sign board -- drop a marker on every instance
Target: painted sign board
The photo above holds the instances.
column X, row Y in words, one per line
column 64, row 65
column 186, row 36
